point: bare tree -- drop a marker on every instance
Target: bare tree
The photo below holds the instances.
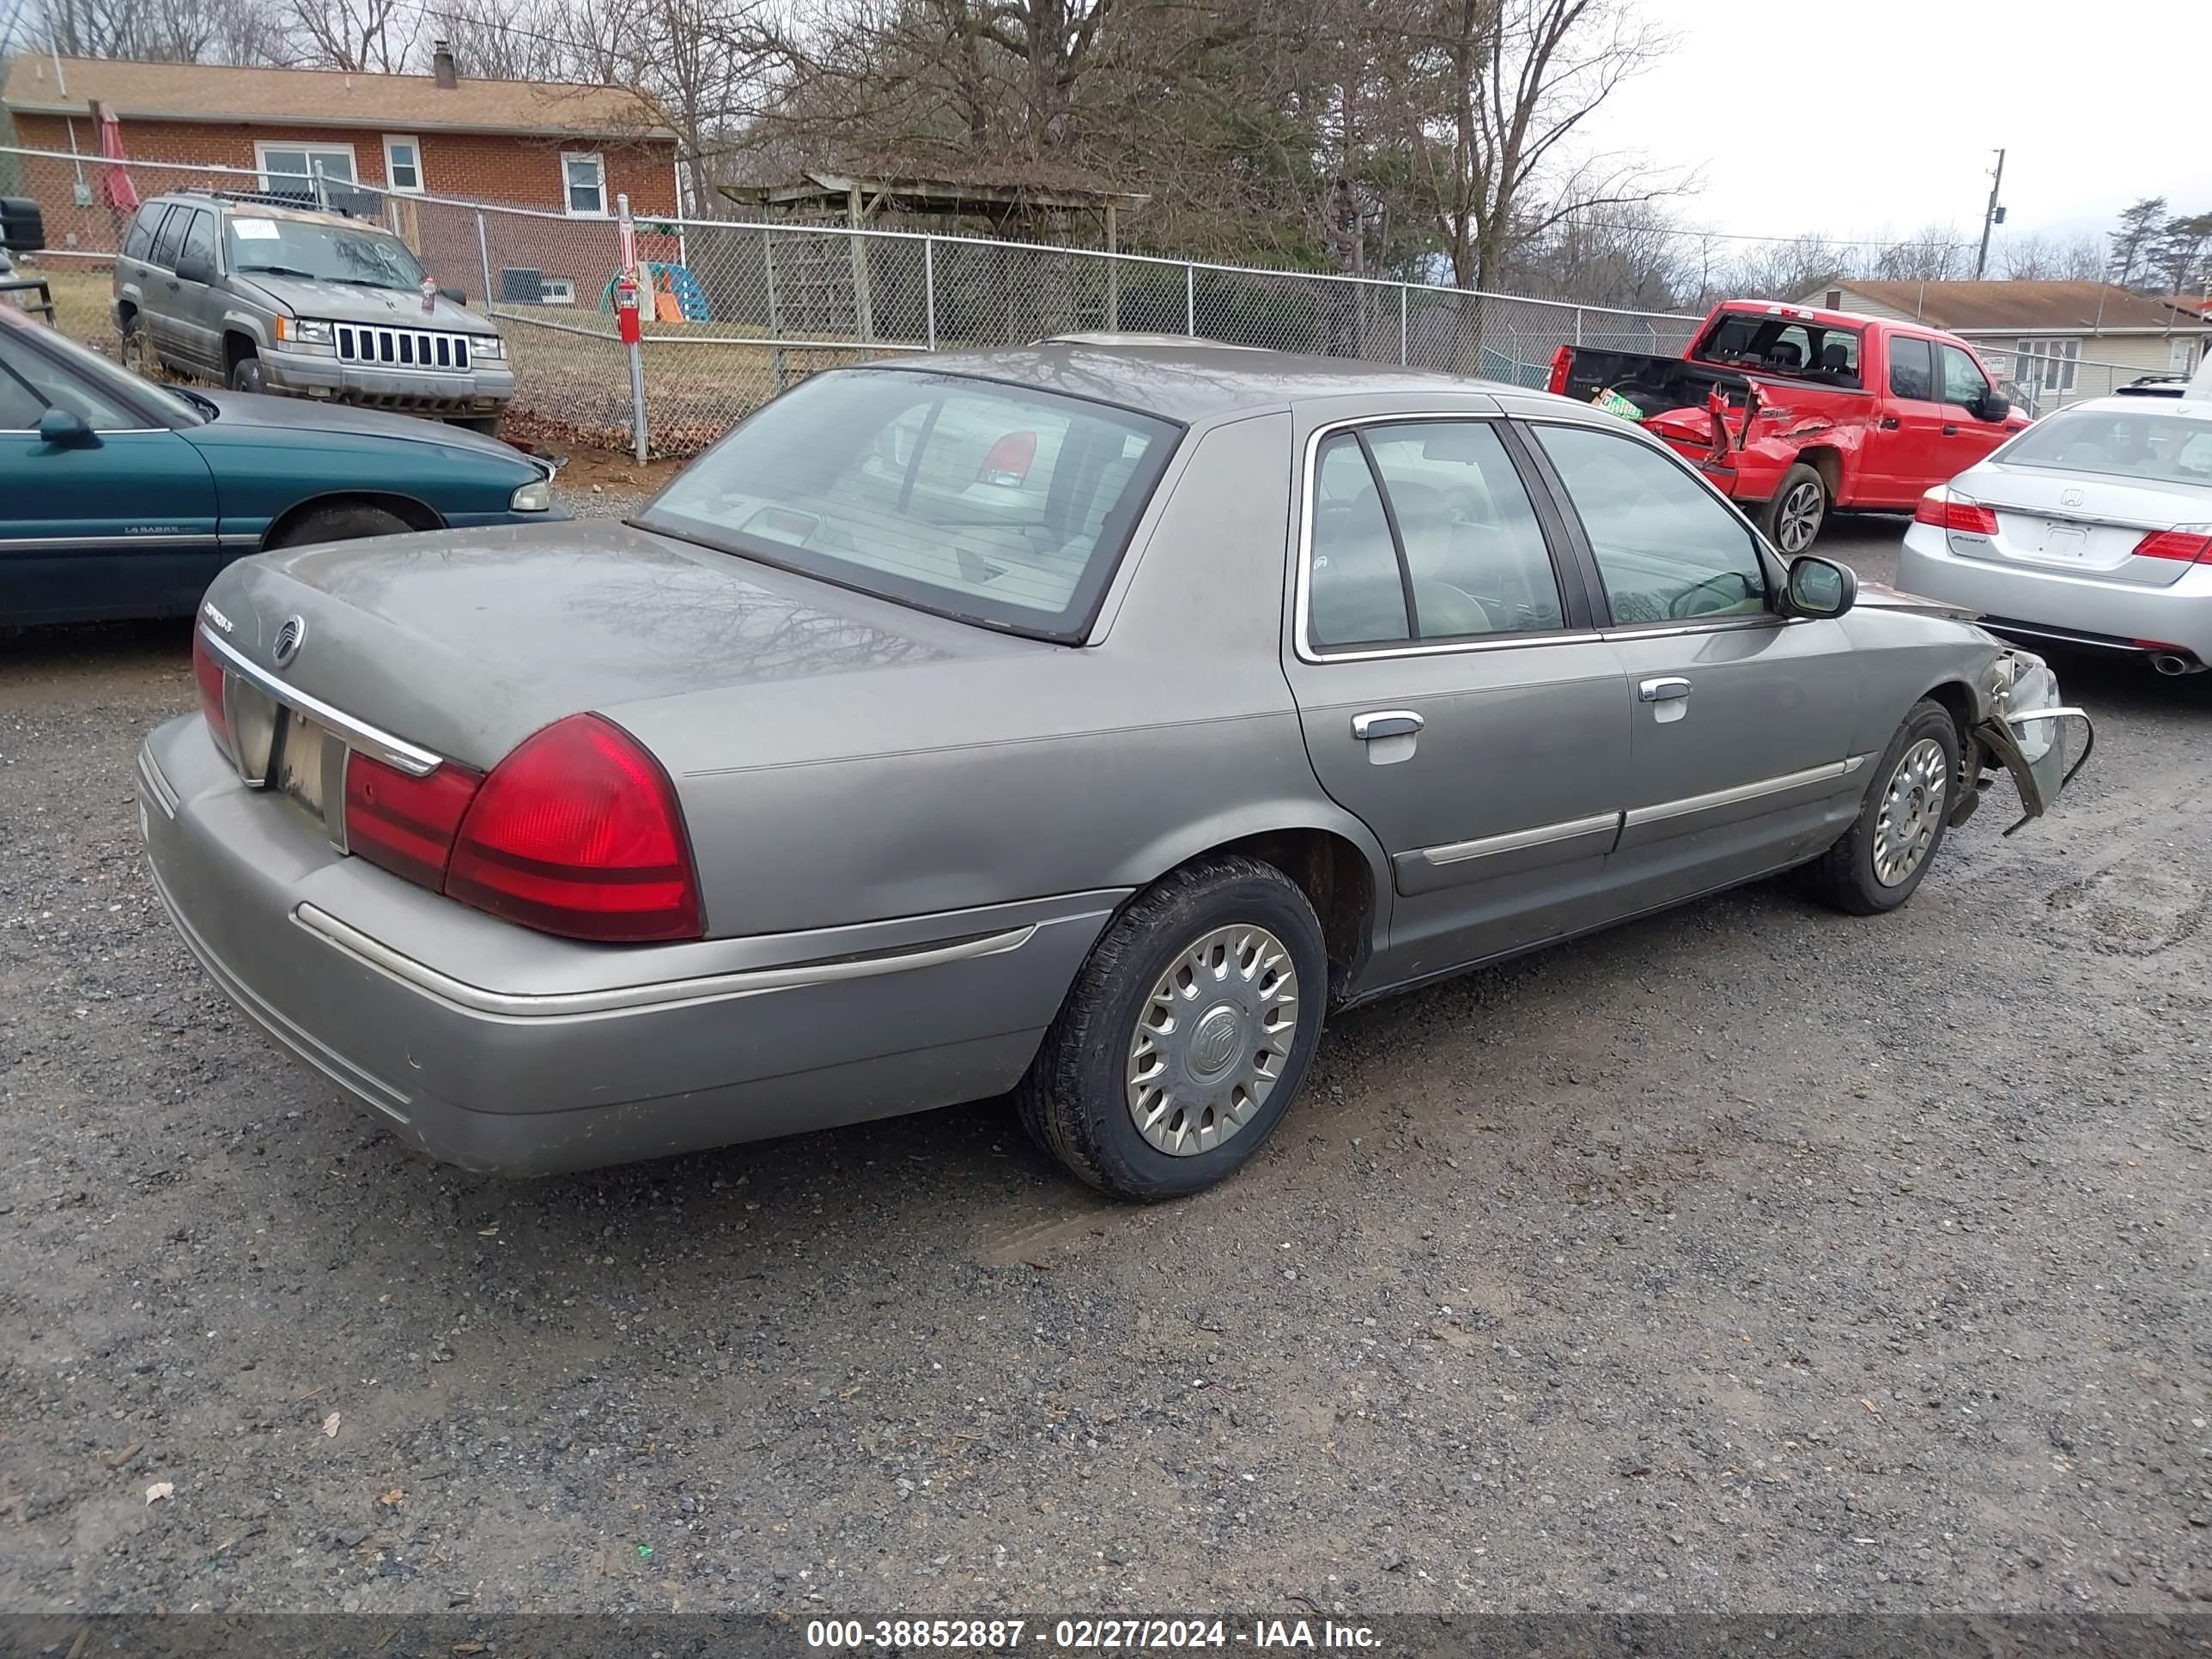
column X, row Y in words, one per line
column 1518, row 79
column 365, row 36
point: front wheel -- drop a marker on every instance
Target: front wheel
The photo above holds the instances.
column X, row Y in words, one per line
column 1881, row 858
column 1798, row 510
column 1186, row 1034
column 247, row 375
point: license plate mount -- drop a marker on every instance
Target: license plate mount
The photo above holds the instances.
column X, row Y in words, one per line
column 2065, row 541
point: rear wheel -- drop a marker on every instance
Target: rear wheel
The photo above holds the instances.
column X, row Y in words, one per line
column 137, row 351
column 1881, row 858
column 1798, row 510
column 339, row 524
column 1186, row 1035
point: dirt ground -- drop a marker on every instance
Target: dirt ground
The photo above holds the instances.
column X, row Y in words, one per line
column 1746, row 1258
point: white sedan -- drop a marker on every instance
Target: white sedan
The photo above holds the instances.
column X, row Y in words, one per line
column 2092, row 528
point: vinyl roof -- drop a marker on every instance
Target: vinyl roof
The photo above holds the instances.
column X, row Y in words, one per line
column 398, row 103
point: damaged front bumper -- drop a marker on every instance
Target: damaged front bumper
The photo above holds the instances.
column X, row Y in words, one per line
column 2026, row 734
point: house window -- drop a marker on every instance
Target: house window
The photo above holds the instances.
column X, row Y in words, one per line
column 306, row 171
column 2047, row 365
column 403, row 163
column 584, row 184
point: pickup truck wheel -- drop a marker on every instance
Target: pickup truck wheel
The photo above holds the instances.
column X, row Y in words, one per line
column 1881, row 858
column 247, row 375
column 1186, row 1034
column 1799, row 509
column 339, row 524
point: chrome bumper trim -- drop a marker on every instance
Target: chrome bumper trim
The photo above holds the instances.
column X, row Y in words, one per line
column 1744, row 791
column 398, row 752
column 154, row 787
column 661, row 993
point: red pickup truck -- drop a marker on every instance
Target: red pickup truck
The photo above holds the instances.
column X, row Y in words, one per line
column 1807, row 412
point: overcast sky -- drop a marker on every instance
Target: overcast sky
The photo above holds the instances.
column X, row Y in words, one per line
column 1883, row 114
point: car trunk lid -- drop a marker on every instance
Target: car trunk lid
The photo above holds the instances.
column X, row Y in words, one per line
column 464, row 643
column 2083, row 523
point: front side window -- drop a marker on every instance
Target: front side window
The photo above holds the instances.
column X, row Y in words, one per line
column 584, row 183
column 199, row 238
column 1666, row 549
column 994, row 504
column 362, row 256
column 1912, row 369
column 31, row 382
column 1964, row 383
column 1434, row 514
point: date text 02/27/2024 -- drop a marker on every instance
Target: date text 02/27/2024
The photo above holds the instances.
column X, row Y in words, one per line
column 1085, row 1635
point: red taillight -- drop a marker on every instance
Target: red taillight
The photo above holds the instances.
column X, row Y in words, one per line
column 2186, row 546
column 405, row 824
column 209, row 673
column 1559, row 361
column 578, row 832
column 1008, row 463
column 1947, row 512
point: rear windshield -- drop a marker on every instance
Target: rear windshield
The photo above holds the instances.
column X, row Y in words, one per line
column 2155, row 447
column 329, row 253
column 995, row 504
column 1786, row 345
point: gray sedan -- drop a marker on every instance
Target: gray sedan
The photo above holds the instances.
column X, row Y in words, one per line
column 1088, row 721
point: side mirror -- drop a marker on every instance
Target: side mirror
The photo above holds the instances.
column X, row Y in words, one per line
column 65, row 428
column 194, row 268
column 1995, row 405
column 1820, row 587
column 459, row 296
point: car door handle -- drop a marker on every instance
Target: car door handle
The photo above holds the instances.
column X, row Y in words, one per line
column 1669, row 690
column 1950, row 431
column 1890, row 423
column 1386, row 723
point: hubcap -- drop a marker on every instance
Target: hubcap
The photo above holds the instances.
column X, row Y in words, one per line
column 1799, row 521
column 1212, row 1039
column 1912, row 808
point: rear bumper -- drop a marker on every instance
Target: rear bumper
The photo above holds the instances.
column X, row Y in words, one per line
column 508, row 1052
column 2056, row 607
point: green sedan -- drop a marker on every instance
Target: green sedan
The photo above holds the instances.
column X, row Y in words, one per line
column 122, row 498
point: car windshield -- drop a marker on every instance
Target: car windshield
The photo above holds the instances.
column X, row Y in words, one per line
column 991, row 503
column 2155, row 447
column 108, row 380
column 323, row 253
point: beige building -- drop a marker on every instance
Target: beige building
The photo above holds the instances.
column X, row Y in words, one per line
column 2055, row 343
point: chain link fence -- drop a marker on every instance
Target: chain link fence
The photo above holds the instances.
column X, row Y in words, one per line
column 2041, row 379
column 736, row 311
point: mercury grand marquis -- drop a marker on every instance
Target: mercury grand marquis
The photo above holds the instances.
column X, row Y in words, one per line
column 1088, row 721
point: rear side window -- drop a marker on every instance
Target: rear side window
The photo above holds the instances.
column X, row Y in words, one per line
column 995, row 504
column 171, row 234
column 141, row 240
column 1666, row 549
column 1912, row 369
column 1432, row 515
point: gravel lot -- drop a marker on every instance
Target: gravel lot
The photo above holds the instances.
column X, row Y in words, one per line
column 1746, row 1258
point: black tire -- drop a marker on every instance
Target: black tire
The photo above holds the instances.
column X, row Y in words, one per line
column 1847, row 876
column 136, row 353
column 1794, row 519
column 339, row 524
column 487, row 424
column 247, row 375
column 1074, row 1101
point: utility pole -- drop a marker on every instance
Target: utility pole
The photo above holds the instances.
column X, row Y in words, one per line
column 1993, row 215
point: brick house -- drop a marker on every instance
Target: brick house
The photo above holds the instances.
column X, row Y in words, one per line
column 553, row 147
